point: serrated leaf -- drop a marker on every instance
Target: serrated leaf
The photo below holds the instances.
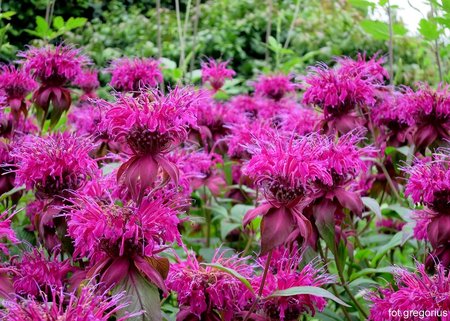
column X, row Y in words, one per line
column 73, row 23
column 232, row 272
column 311, row 290
column 58, row 22
column 142, row 295
column 274, row 45
column 377, row 29
column 42, row 29
column 373, row 205
column 428, row 29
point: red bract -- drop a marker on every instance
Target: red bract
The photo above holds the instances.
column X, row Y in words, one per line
column 216, row 72
column 149, row 126
column 130, row 74
column 120, row 240
column 15, row 85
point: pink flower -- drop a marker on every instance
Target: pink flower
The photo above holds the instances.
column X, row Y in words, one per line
column 86, row 119
column 205, row 291
column 283, row 168
column 54, row 68
column 371, row 69
column 393, row 116
column 36, row 272
column 430, row 110
column 429, row 182
column 390, row 224
column 88, row 304
column 284, row 274
column 88, row 82
column 133, row 74
column 274, row 86
column 419, row 292
column 7, row 177
column 54, row 164
column 340, row 93
column 216, row 72
column 16, row 84
column 6, row 232
column 121, row 239
column 149, row 126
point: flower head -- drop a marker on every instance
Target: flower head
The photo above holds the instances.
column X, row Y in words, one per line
column 274, row 86
column 36, row 272
column 124, row 237
column 53, row 66
column 284, row 274
column 416, row 291
column 89, row 304
column 130, row 74
column 430, row 110
column 216, row 72
column 150, row 125
column 88, row 82
column 371, row 69
column 16, row 84
column 53, row 164
column 205, row 290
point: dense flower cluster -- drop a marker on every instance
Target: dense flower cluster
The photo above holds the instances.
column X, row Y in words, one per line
column 220, row 204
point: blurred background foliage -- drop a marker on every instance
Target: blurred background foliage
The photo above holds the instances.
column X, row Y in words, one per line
column 302, row 32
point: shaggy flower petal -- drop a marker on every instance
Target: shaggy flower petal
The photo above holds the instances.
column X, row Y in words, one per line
column 133, row 74
column 216, row 72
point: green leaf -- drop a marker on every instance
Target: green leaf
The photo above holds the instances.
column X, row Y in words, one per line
column 373, row 205
column 362, row 4
column 232, row 272
column 274, row 45
column 73, row 23
column 42, row 29
column 446, row 5
column 58, row 22
column 399, row 29
column 311, row 290
column 395, row 241
column 227, row 227
column 357, row 275
column 7, row 15
column 238, row 211
column 428, row 29
column 142, row 295
column 377, row 29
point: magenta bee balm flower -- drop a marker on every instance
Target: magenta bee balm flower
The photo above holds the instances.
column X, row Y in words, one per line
column 283, row 169
column 130, row 74
column 54, row 68
column 274, row 86
column 88, row 304
column 216, row 72
column 54, row 164
column 207, row 293
column 149, row 126
column 88, row 82
column 15, row 85
column 415, row 291
column 120, row 240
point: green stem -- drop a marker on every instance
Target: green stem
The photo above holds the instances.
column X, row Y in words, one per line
column 261, row 286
